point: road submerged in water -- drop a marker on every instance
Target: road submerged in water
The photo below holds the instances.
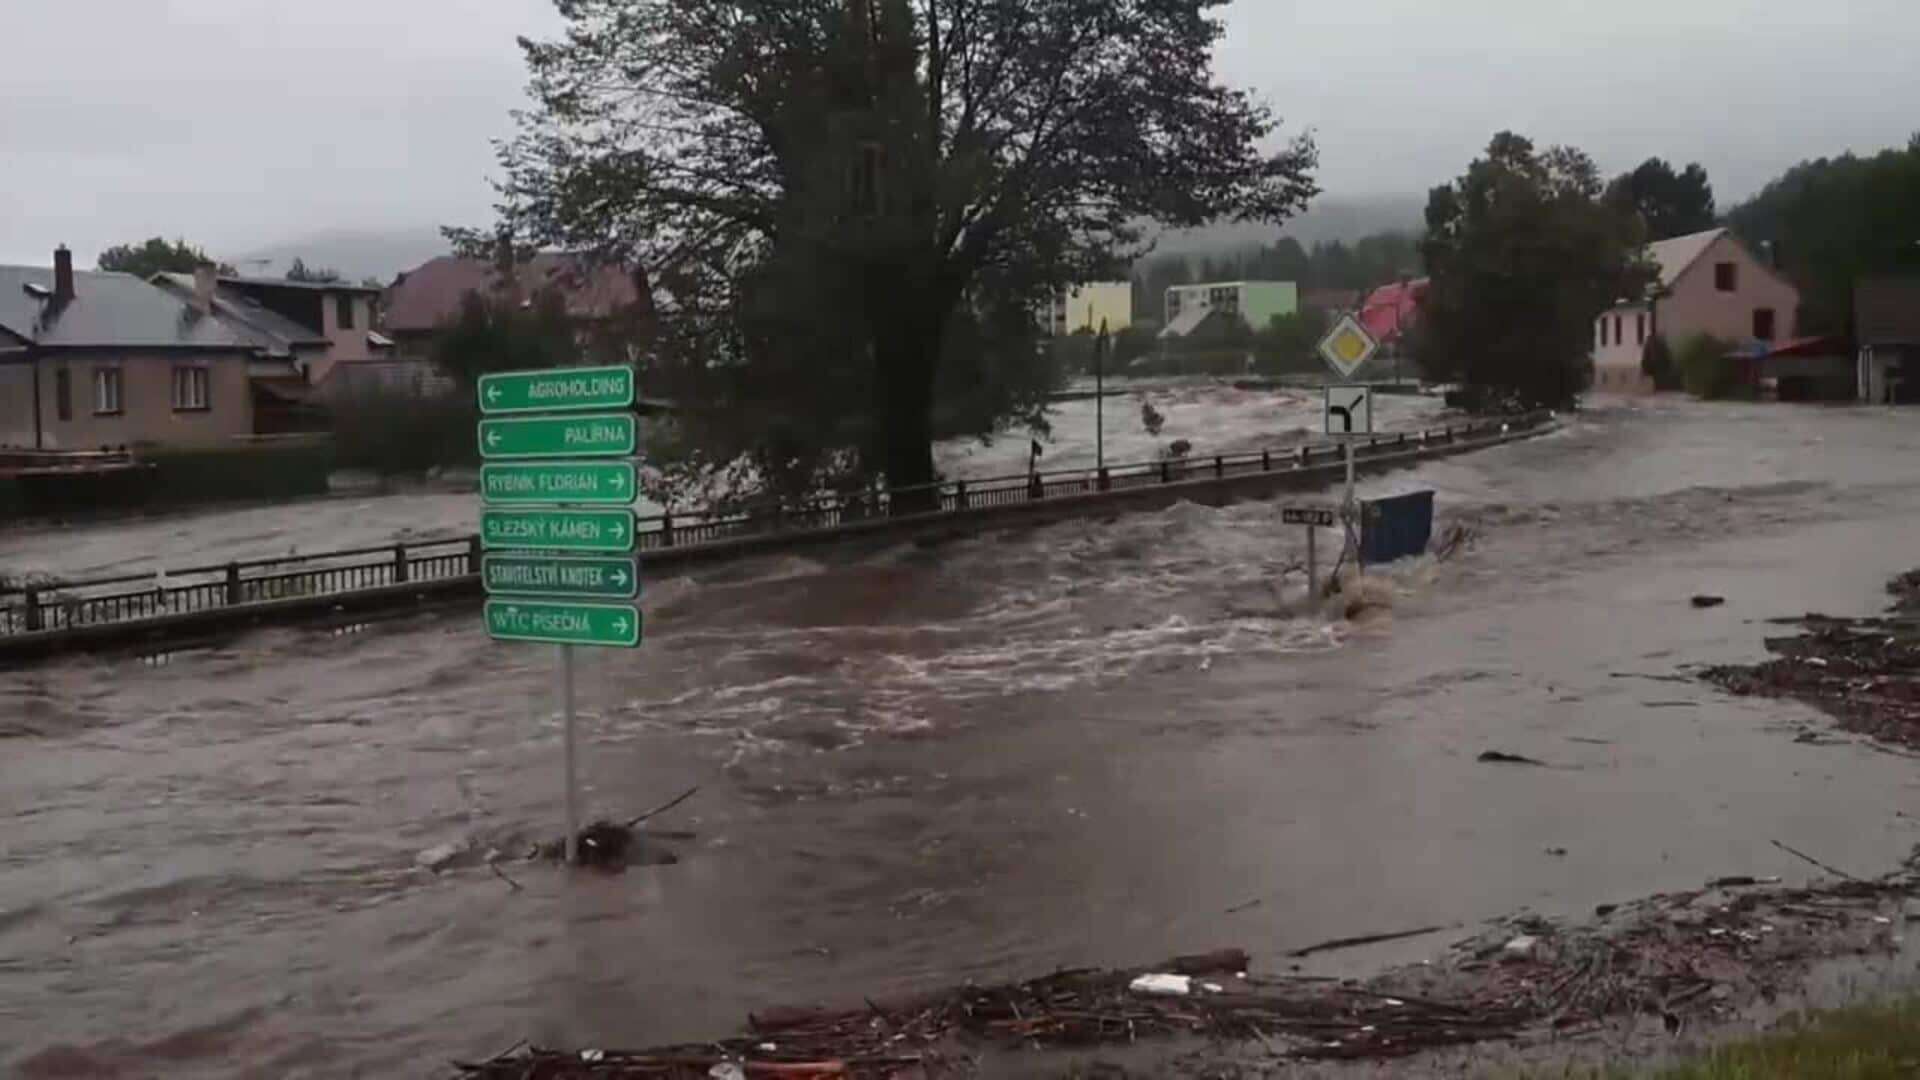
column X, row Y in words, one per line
column 1097, row 743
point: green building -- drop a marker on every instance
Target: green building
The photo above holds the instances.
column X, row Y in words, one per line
column 1257, row 302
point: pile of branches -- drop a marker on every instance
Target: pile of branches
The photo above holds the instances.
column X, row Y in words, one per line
column 924, row 1037
column 1863, row 672
column 1677, row 957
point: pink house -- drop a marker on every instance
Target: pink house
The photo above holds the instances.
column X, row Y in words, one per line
column 1709, row 284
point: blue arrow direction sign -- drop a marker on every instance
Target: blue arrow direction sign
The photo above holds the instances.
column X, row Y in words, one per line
column 602, row 482
column 607, row 531
column 560, row 623
column 542, row 575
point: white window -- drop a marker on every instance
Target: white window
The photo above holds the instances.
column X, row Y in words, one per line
column 106, row 391
column 190, row 389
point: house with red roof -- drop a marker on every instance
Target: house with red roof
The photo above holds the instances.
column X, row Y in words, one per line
column 1390, row 312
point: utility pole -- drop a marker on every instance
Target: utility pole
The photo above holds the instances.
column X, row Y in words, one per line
column 1099, row 394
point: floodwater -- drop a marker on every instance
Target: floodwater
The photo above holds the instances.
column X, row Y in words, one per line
column 1093, row 742
column 1211, row 415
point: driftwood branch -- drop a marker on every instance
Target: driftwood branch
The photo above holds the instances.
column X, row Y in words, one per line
column 666, row 806
column 1364, row 939
column 1814, row 861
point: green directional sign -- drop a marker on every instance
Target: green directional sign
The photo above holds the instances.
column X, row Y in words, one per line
column 560, row 390
column 596, row 435
column 609, row 531
column 562, row 623
column 539, row 575
column 605, row 482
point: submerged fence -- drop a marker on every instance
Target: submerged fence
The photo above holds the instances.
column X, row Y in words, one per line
column 42, row 611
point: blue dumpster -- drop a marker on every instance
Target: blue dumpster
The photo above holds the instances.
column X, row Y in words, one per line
column 1395, row 528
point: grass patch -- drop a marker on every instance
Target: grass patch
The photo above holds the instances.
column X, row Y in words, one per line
column 1864, row 1042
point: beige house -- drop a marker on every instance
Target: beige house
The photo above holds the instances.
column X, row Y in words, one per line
column 97, row 359
column 1709, row 283
column 338, row 313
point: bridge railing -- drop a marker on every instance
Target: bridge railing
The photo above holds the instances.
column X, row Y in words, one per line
column 52, row 604
column 669, row 530
column 55, row 605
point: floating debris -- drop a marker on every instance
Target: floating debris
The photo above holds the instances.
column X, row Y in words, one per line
column 1684, row 957
column 1501, row 757
column 1864, row 672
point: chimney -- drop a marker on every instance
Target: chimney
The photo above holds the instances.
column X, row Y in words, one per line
column 62, row 274
column 204, row 278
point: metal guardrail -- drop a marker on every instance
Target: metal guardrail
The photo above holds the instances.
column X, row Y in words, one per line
column 72, row 605
column 54, row 606
column 668, row 530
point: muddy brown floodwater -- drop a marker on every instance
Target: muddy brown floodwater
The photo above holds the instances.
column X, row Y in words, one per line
column 1075, row 744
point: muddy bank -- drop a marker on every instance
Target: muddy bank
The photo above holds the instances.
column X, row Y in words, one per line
column 1689, row 959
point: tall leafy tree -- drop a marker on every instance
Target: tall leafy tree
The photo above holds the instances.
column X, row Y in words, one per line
column 1830, row 222
column 1284, row 260
column 1523, row 256
column 492, row 333
column 826, row 185
column 1670, row 203
column 157, row 256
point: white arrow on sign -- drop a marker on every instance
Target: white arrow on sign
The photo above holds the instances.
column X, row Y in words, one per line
column 1349, row 410
column 493, row 393
column 619, row 577
column 493, row 438
column 620, row 625
column 619, row 529
column 619, row 480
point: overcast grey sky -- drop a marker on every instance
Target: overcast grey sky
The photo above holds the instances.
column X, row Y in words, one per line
column 243, row 123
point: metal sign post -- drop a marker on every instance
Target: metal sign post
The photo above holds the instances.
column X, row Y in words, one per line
column 1349, row 416
column 573, row 787
column 536, row 593
column 1313, row 565
column 1346, row 348
column 1314, row 518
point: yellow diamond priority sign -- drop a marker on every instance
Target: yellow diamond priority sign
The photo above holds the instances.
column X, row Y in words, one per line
column 1347, row 346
